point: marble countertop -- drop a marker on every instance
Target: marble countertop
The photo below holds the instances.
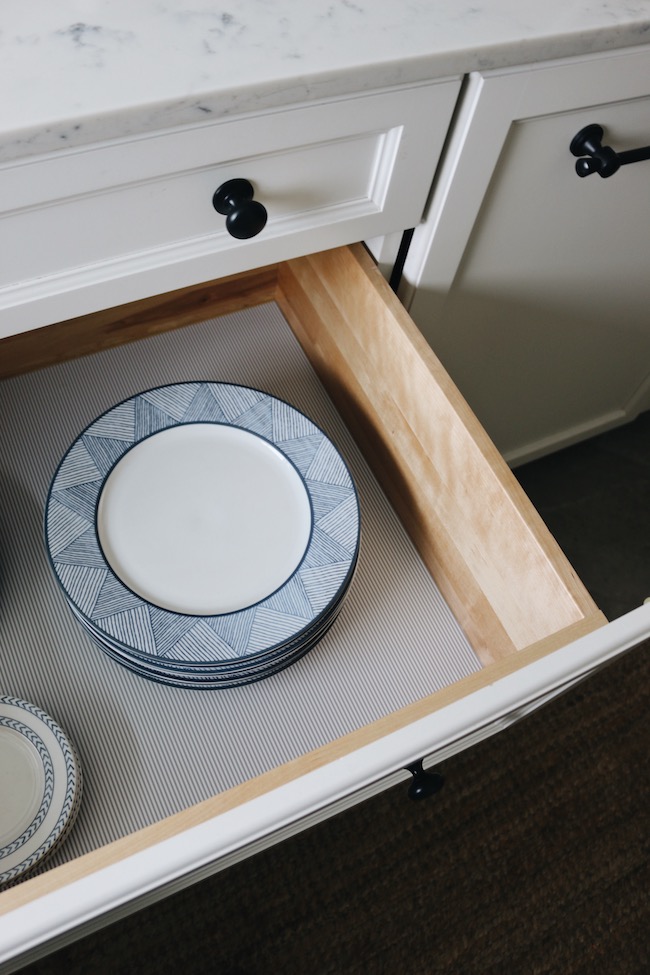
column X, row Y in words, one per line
column 74, row 72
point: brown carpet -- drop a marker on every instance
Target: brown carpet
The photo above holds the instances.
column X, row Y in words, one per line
column 534, row 859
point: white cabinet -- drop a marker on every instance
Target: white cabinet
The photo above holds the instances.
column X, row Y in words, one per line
column 123, row 223
column 532, row 284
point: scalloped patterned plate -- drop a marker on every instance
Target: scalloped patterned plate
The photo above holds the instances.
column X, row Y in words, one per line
column 40, row 785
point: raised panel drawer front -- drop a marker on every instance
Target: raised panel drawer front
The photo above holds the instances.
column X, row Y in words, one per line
column 87, row 228
column 464, row 615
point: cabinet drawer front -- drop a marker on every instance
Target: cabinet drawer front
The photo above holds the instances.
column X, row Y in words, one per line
column 161, row 216
column 470, row 531
column 138, row 215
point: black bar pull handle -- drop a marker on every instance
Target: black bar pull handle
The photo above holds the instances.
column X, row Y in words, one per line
column 597, row 158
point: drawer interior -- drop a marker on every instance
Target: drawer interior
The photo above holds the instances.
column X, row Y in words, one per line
column 459, row 579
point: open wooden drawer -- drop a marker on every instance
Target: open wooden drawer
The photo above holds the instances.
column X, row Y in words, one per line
column 529, row 621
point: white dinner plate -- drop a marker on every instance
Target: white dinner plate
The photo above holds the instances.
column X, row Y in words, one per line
column 40, row 786
column 204, row 519
column 201, row 523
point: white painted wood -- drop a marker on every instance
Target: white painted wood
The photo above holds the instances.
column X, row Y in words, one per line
column 111, row 223
column 385, row 250
column 530, row 283
column 205, row 849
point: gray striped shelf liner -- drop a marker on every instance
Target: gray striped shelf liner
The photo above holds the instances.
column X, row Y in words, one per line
column 148, row 750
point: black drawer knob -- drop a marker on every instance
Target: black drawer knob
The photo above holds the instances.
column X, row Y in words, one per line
column 423, row 784
column 245, row 217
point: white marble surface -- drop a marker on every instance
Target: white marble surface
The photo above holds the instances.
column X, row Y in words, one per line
column 73, row 72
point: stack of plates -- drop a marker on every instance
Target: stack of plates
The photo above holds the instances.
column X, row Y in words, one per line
column 204, row 534
column 40, row 788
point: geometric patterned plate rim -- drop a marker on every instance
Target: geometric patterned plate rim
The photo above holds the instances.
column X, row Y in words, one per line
column 62, row 787
column 117, row 613
column 188, row 681
column 221, row 667
column 222, row 671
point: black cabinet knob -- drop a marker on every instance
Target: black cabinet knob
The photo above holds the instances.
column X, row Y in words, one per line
column 423, row 784
column 245, row 217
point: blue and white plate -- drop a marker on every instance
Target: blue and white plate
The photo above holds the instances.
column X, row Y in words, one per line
column 40, row 786
column 228, row 670
column 212, row 681
column 202, row 525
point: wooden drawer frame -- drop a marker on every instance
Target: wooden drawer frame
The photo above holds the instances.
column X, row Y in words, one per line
column 502, row 574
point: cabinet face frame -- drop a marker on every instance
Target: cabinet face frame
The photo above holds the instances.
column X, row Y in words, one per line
column 438, row 467
column 492, row 105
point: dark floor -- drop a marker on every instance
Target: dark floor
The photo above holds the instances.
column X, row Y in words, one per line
column 595, row 499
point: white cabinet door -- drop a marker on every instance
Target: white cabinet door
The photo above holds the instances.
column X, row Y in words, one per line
column 531, row 283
